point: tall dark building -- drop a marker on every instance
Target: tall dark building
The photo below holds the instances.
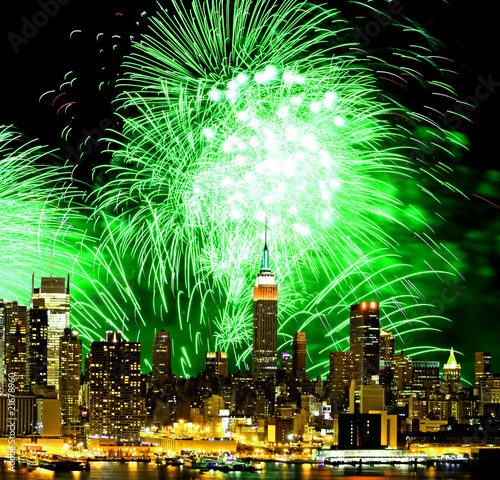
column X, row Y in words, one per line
column 341, row 372
column 482, row 368
column 69, row 383
column 265, row 321
column 364, row 340
column 299, row 354
column 216, row 363
column 115, row 388
column 15, row 319
column 162, row 360
column 36, row 343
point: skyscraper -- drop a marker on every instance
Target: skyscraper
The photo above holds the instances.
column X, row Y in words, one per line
column 216, row 363
column 36, row 344
column 115, row 388
column 14, row 317
column 55, row 296
column 299, row 354
column 265, row 321
column 387, row 345
column 341, row 372
column 364, row 340
column 482, row 368
column 70, row 353
column 162, row 360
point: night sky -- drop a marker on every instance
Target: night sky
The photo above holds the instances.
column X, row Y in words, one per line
column 467, row 32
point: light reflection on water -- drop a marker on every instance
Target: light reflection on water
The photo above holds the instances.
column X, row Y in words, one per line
column 271, row 471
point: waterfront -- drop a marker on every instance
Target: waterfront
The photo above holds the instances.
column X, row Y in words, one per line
column 271, row 471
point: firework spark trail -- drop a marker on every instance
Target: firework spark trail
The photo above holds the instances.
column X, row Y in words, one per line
column 36, row 223
column 43, row 223
column 262, row 110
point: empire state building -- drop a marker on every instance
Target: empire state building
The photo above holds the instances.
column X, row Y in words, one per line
column 265, row 321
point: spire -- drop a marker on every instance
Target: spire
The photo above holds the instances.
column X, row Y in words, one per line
column 452, row 362
column 264, row 267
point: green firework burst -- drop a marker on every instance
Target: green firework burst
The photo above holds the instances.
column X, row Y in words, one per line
column 262, row 109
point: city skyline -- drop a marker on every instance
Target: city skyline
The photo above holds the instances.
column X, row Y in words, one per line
column 461, row 301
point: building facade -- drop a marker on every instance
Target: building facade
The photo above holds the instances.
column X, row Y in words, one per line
column 265, row 321
column 115, row 384
column 15, row 322
column 299, row 354
column 161, row 360
column 364, row 340
column 216, row 364
column 69, row 383
column 53, row 295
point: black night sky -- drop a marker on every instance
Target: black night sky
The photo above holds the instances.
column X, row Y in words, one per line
column 35, row 60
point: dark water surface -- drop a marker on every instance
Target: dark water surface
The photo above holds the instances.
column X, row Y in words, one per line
column 271, row 471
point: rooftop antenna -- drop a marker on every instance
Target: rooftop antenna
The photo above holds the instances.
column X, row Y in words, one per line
column 265, row 234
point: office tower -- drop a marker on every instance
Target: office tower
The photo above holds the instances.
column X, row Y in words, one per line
column 341, row 372
column 24, row 415
column 53, row 295
column 364, row 340
column 299, row 353
column 402, row 372
column 70, row 360
column 387, row 345
column 425, row 374
column 115, row 387
column 36, row 344
column 162, row 360
column 452, row 373
column 265, row 321
column 216, row 363
column 482, row 368
column 286, row 362
column 14, row 318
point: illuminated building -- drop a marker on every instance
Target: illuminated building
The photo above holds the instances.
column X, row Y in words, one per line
column 162, row 360
column 216, row 363
column 387, row 345
column 212, row 406
column 425, row 374
column 69, row 383
column 265, row 321
column 490, row 395
column 482, row 369
column 15, row 319
column 115, row 384
column 55, row 295
column 364, row 340
column 286, row 362
column 25, row 415
column 452, row 374
column 299, row 354
column 36, row 344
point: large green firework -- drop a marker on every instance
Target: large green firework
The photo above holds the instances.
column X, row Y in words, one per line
column 249, row 110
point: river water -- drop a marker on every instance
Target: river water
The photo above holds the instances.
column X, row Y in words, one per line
column 271, row 471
